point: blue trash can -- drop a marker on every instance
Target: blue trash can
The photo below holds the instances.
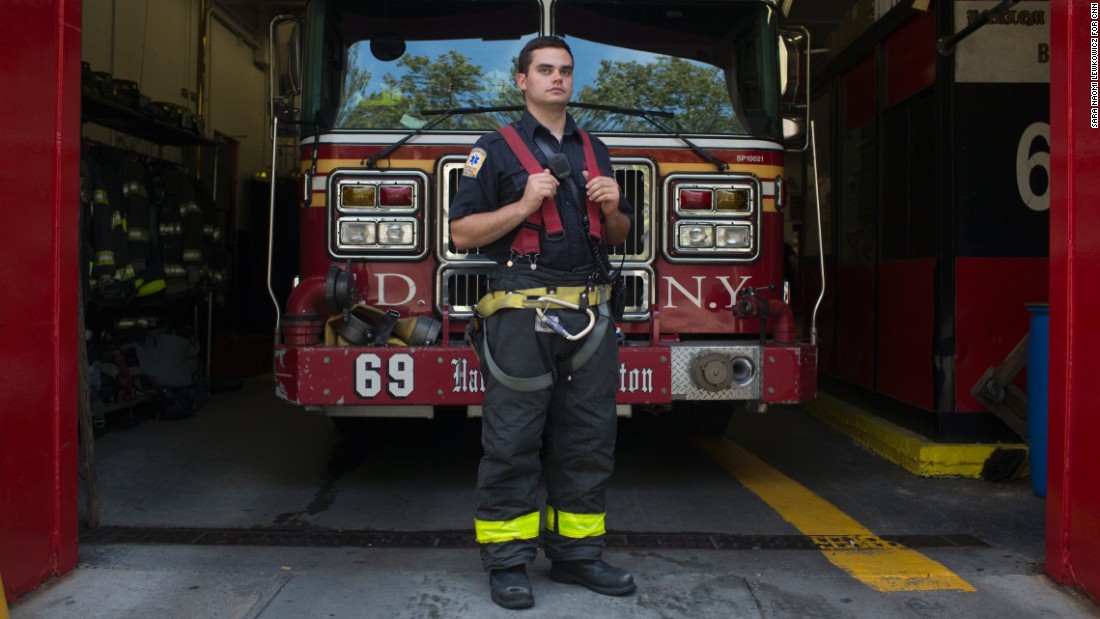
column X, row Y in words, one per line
column 1038, row 352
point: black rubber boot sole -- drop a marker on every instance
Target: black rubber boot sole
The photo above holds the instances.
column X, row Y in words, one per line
column 514, row 604
column 569, row 579
column 522, row 597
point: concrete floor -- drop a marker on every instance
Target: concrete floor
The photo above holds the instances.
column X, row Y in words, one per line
column 257, row 509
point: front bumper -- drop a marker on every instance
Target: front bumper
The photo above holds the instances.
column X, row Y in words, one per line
column 450, row 375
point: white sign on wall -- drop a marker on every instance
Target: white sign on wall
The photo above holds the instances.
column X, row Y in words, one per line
column 1013, row 48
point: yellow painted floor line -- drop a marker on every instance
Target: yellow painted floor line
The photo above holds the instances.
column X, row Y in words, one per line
column 847, row 544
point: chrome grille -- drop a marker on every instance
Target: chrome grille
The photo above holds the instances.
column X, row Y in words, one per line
column 464, row 275
column 460, row 288
column 637, row 294
column 450, row 171
column 635, row 177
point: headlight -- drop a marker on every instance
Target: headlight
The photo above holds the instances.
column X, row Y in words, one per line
column 696, row 199
column 377, row 213
column 358, row 233
column 381, row 196
column 696, row 236
column 723, row 200
column 733, row 237
column 396, row 196
column 715, row 198
column 712, row 218
column 733, row 200
column 359, row 196
column 374, row 233
column 396, row 233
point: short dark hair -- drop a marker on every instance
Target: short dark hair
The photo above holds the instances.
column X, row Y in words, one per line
column 523, row 63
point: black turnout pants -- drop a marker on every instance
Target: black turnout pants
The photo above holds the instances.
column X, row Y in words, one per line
column 564, row 434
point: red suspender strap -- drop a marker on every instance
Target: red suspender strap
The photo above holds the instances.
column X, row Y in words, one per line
column 594, row 226
column 527, row 239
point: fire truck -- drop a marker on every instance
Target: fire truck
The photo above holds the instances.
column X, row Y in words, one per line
column 697, row 102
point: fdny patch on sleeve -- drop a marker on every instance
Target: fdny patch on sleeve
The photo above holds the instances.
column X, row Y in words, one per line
column 473, row 163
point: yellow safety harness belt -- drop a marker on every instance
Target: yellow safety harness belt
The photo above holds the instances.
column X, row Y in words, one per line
column 535, row 298
column 574, row 297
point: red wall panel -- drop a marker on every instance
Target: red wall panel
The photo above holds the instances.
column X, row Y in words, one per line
column 40, row 125
column 990, row 315
column 906, row 325
column 1073, row 481
column 859, row 88
column 855, row 327
column 910, row 57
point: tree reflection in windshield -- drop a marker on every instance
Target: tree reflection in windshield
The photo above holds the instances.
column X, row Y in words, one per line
column 694, row 93
column 393, row 93
column 415, row 83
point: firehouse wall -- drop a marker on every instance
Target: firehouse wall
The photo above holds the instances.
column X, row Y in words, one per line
column 934, row 252
column 38, row 444
column 156, row 44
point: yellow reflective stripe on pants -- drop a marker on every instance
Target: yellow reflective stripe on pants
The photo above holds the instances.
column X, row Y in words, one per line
column 494, row 532
column 578, row 526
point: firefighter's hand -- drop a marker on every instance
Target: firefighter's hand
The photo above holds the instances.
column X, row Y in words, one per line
column 539, row 187
column 603, row 190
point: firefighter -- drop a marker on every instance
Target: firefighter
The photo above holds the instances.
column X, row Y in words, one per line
column 545, row 334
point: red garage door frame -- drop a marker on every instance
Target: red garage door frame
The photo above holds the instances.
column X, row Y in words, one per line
column 39, row 162
column 1073, row 481
column 39, row 122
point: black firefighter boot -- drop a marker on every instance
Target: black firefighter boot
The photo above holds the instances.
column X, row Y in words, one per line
column 511, row 588
column 594, row 574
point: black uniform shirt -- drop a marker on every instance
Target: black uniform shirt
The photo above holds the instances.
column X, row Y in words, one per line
column 494, row 177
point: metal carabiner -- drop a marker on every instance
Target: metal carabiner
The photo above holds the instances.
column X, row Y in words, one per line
column 553, row 323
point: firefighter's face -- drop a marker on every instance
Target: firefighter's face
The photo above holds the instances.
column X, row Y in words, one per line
column 549, row 79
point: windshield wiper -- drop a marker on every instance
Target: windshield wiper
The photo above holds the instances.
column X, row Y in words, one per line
column 443, row 115
column 650, row 116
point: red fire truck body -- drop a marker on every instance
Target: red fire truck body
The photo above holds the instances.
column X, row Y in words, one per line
column 705, row 319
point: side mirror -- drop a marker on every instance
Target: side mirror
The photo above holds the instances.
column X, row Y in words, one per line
column 794, row 83
column 288, row 61
column 285, row 40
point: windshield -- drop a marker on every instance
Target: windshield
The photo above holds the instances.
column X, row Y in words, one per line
column 712, row 65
